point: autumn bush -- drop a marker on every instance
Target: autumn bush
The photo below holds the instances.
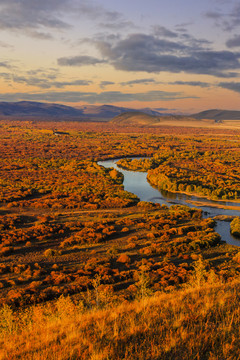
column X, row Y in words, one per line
column 235, row 227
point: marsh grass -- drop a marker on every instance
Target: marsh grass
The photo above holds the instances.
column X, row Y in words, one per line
column 197, row 322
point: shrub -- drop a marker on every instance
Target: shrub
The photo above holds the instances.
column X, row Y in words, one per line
column 124, row 258
column 49, row 252
column 235, row 227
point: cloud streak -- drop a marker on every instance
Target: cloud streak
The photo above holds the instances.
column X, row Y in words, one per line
column 80, row 61
column 103, row 84
column 138, row 82
column 191, row 83
column 234, row 86
column 46, row 83
column 92, row 97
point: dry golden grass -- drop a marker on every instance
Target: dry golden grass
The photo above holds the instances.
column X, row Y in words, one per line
column 198, row 322
column 204, row 123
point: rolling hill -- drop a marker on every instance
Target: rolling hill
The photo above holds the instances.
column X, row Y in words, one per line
column 142, row 119
column 135, row 118
column 30, row 109
column 116, row 114
column 110, row 111
column 218, row 115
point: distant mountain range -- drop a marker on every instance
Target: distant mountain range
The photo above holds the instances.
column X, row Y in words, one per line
column 31, row 109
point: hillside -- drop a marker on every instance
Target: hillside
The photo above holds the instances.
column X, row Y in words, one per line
column 164, row 327
column 30, row 108
column 135, row 118
column 218, row 115
column 142, row 119
column 110, row 111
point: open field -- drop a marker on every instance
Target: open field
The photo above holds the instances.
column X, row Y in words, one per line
column 68, row 228
column 210, row 124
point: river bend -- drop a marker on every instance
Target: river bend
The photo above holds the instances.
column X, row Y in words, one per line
column 136, row 182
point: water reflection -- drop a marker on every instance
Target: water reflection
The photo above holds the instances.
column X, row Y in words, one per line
column 136, row 182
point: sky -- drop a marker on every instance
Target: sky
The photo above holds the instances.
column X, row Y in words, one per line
column 178, row 55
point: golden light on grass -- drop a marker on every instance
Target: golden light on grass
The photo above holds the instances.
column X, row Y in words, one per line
column 198, row 322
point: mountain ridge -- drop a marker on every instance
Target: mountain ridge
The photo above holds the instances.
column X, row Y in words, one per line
column 27, row 109
column 32, row 109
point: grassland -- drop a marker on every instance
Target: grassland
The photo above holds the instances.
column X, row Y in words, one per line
column 199, row 322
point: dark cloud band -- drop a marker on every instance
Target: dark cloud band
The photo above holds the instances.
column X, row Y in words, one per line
column 92, row 98
column 148, row 53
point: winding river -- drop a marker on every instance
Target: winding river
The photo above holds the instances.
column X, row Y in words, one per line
column 136, row 182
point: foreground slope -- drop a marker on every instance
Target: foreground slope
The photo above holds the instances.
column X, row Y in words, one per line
column 200, row 322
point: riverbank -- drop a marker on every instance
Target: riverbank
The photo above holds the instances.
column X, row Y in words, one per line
column 219, row 206
column 144, row 169
column 137, row 183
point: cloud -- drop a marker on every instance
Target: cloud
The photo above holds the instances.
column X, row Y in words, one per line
column 116, row 25
column 148, row 53
column 46, row 81
column 27, row 14
column 5, row 76
column 235, row 16
column 61, row 84
column 92, row 97
column 214, row 15
column 103, row 84
column 39, row 35
column 191, row 83
column 226, row 21
column 233, row 42
column 4, row 64
column 230, row 86
column 90, row 9
column 80, row 61
column 31, row 16
column 5, row 45
column 162, row 31
column 138, row 81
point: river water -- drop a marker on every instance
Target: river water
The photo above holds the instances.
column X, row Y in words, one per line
column 136, row 182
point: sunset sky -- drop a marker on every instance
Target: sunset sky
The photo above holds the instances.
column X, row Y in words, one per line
column 179, row 55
